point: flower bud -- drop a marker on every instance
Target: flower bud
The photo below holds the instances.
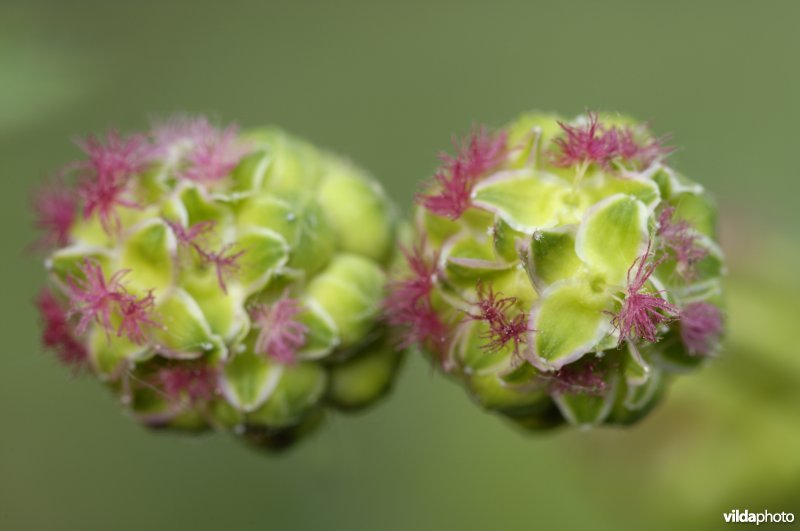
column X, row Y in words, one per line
column 562, row 271
column 218, row 279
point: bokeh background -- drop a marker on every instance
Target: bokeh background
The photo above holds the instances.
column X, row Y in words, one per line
column 388, row 84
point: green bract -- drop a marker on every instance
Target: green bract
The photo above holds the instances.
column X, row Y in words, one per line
column 563, row 271
column 221, row 280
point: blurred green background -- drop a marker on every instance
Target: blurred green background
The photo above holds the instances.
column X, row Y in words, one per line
column 388, row 84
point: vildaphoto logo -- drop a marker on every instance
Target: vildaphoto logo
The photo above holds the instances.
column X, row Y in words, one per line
column 746, row 517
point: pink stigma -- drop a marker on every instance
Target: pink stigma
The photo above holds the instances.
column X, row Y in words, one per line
column 494, row 310
column 96, row 299
column 592, row 142
column 408, row 305
column 135, row 315
column 58, row 334
column 225, row 262
column 211, row 152
column 642, row 312
column 195, row 381
column 678, row 238
column 580, row 377
column 92, row 297
column 281, row 334
column 55, row 206
column 106, row 174
column 701, row 327
column 459, row 175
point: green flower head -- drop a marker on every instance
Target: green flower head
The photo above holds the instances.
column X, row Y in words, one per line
column 219, row 279
column 562, row 270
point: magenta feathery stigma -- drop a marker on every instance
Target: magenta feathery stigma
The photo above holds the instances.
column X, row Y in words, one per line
column 214, row 278
column 562, row 270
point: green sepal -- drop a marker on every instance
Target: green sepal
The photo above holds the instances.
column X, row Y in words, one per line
column 491, row 392
column 248, row 380
column 322, row 335
column 468, row 258
column 362, row 379
column 249, row 174
column 525, row 200
column 108, row 353
column 350, row 290
column 586, row 410
column 469, row 349
column 224, row 312
column 612, row 235
column 569, row 320
column 65, row 263
column 552, row 256
column 265, row 251
column 184, row 331
column 148, row 255
column 298, row 389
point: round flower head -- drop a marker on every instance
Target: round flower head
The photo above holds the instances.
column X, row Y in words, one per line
column 561, row 270
column 218, row 279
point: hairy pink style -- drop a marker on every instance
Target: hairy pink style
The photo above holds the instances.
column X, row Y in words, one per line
column 281, row 334
column 408, row 305
column 592, row 142
column 642, row 312
column 105, row 175
column 494, row 310
column 678, row 238
column 198, row 382
column 459, row 174
column 96, row 299
column 55, row 206
column 585, row 376
column 701, row 327
column 58, row 334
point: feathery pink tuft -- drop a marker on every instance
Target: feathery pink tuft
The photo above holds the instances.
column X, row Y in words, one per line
column 678, row 238
column 408, row 304
column 641, row 313
column 225, row 262
column 281, row 334
column 135, row 315
column 701, row 327
column 459, row 175
column 58, row 334
column 106, row 174
column 592, row 142
column 198, row 382
column 94, row 298
column 214, row 152
column 494, row 310
column 55, row 206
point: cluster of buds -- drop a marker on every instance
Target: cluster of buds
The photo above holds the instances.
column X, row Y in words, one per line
column 218, row 279
column 562, row 271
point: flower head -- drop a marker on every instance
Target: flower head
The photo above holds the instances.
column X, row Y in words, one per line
column 281, row 334
column 701, row 327
column 642, row 312
column 459, row 174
